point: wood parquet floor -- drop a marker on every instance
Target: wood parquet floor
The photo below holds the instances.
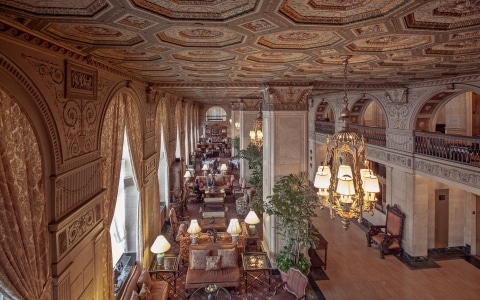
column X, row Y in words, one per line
column 356, row 271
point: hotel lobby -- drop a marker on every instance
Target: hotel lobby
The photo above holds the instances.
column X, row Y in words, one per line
column 111, row 110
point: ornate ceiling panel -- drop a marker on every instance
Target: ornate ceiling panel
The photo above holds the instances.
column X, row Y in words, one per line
column 223, row 50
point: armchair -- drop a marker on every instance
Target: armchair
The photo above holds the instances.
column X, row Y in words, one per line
column 389, row 240
column 293, row 288
column 175, row 223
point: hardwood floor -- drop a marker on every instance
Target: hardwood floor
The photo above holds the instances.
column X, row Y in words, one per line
column 356, row 271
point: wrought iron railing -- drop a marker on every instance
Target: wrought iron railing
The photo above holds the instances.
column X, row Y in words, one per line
column 372, row 135
column 324, row 127
column 462, row 149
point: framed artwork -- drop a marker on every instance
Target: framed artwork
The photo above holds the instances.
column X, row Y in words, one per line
column 80, row 81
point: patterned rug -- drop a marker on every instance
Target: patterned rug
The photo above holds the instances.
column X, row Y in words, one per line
column 256, row 289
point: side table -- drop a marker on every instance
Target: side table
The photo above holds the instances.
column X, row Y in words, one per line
column 166, row 270
column 257, row 266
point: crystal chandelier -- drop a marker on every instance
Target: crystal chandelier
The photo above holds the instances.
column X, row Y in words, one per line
column 256, row 134
column 345, row 183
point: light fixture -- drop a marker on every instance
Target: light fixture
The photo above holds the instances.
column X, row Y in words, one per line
column 234, row 229
column 237, row 125
column 256, row 134
column 194, row 229
column 252, row 219
column 224, row 169
column 159, row 247
column 351, row 191
column 187, row 175
column 205, row 169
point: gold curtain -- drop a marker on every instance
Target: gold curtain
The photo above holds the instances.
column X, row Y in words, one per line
column 134, row 134
column 24, row 259
column 111, row 150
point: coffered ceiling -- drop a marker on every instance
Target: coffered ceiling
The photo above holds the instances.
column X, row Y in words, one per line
column 221, row 50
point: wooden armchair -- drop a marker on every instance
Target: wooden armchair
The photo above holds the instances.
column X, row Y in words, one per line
column 389, row 240
column 293, row 288
column 175, row 222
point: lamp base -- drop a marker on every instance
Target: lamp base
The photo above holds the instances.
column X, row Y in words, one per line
column 252, row 229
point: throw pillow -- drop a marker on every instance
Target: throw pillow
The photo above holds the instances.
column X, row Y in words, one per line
column 144, row 293
column 198, row 260
column 212, row 263
column 228, row 258
column 134, row 296
column 144, row 278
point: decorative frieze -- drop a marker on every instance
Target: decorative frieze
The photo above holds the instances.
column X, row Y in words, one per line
column 456, row 174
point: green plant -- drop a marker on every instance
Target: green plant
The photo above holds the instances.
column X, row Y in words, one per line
column 284, row 262
column 254, row 155
column 293, row 204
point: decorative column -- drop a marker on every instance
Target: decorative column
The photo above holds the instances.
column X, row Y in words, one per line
column 285, row 146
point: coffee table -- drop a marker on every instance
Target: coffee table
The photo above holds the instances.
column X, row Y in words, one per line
column 202, row 294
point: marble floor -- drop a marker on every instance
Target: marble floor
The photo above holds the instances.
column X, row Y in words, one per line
column 356, row 271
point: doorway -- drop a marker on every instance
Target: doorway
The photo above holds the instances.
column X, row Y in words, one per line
column 441, row 218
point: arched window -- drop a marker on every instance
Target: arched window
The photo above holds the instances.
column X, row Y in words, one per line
column 216, row 113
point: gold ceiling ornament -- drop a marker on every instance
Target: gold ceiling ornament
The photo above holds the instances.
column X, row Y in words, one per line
column 351, row 189
column 256, row 134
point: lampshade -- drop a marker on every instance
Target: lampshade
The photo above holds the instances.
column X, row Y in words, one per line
column 187, row 175
column 194, row 228
column 322, row 177
column 205, row 167
column 371, row 184
column 223, row 167
column 252, row 218
column 344, row 170
column 160, row 245
column 345, row 187
column 252, row 134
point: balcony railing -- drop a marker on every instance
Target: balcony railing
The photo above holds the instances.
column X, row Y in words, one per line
column 325, row 127
column 462, row 149
column 373, row 135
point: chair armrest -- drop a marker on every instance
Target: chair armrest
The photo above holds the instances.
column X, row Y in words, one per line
column 375, row 229
column 278, row 287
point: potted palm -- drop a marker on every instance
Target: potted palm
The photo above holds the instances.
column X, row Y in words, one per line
column 293, row 204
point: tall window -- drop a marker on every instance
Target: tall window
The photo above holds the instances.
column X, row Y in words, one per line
column 124, row 228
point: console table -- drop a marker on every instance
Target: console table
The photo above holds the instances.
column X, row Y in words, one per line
column 321, row 245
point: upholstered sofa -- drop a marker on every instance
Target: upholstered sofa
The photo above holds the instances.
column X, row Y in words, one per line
column 140, row 286
column 184, row 239
column 220, row 180
column 214, row 263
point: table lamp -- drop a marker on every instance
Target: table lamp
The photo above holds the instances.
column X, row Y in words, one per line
column 252, row 219
column 234, row 229
column 187, row 176
column 159, row 247
column 205, row 169
column 224, row 169
column 194, row 229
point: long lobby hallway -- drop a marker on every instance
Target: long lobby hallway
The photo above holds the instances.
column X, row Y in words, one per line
column 356, row 271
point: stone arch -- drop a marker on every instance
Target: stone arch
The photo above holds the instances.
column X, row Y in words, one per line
column 325, row 112
column 35, row 107
column 359, row 107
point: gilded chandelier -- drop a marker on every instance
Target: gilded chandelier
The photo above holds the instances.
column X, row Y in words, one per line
column 351, row 189
column 256, row 134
